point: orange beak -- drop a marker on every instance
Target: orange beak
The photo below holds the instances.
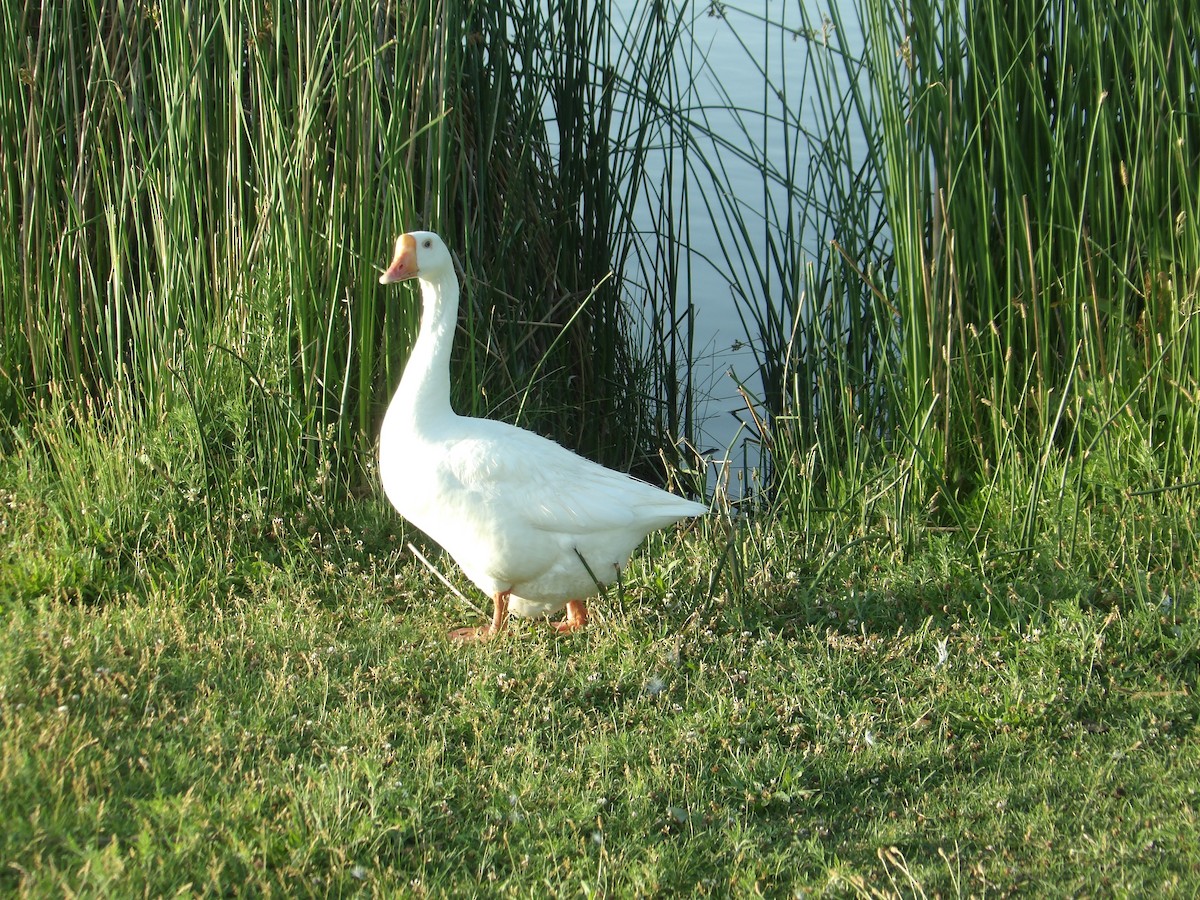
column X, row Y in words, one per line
column 404, row 264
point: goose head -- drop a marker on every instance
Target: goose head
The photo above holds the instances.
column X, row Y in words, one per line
column 419, row 254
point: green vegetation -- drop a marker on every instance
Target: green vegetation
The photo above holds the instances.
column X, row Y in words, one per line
column 950, row 647
column 1004, row 316
column 198, row 207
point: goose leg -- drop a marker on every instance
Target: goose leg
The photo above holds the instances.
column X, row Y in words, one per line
column 486, row 632
column 576, row 617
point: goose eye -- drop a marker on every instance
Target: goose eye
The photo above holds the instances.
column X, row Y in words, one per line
column 428, row 243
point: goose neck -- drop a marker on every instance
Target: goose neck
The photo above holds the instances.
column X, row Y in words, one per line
column 425, row 386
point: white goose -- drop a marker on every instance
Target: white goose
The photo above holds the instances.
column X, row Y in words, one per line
column 524, row 517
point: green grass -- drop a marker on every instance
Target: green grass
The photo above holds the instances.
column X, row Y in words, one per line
column 195, row 698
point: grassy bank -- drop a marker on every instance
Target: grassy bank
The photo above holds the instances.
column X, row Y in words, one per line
column 276, row 707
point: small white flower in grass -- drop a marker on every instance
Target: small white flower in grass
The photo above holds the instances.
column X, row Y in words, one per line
column 943, row 654
column 358, row 873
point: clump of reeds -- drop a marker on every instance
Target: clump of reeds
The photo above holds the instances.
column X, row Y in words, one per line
column 996, row 319
column 197, row 203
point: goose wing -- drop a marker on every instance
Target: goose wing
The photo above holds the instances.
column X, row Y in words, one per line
column 549, row 488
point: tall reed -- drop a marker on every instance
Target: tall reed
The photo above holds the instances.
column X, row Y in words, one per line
column 197, row 201
column 541, row 170
column 1049, row 253
column 198, row 198
column 999, row 312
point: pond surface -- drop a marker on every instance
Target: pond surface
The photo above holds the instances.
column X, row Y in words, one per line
column 751, row 80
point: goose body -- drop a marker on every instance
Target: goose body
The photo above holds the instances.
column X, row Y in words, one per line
column 535, row 526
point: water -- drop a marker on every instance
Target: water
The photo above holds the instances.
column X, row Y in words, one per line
column 740, row 57
column 735, row 46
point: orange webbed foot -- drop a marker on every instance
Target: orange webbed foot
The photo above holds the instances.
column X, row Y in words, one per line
column 577, row 617
column 486, row 632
